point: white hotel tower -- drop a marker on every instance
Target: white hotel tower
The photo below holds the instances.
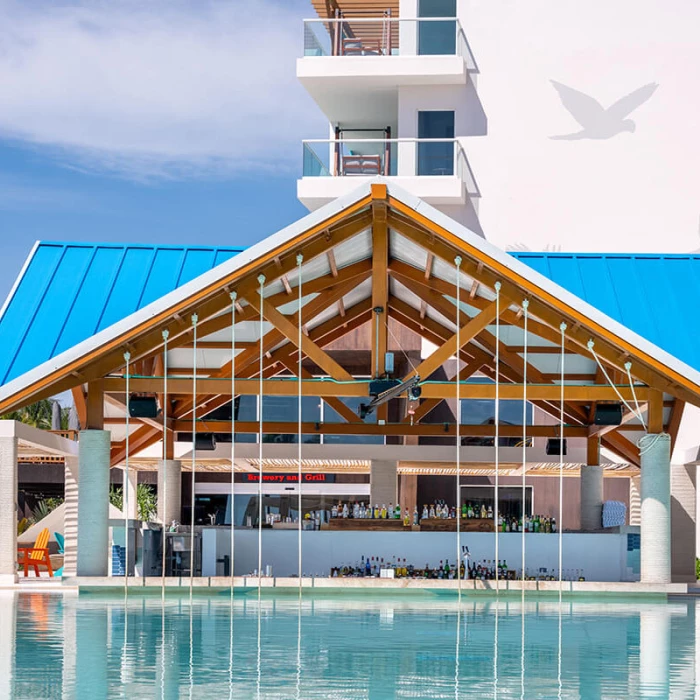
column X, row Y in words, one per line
column 397, row 81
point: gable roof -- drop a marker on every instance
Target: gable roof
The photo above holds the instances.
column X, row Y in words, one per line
column 653, row 295
column 68, row 292
column 347, row 219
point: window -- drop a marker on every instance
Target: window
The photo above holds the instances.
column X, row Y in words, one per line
column 436, row 158
column 437, row 38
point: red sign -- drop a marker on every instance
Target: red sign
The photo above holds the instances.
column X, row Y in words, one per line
column 289, row 478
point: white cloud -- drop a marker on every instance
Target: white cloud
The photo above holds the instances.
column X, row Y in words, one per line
column 165, row 88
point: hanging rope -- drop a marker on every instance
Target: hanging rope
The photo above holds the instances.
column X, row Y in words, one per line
column 628, row 367
column 300, row 260
column 166, row 335
column 497, row 420
column 195, row 319
column 562, row 327
column 125, row 484
column 233, row 430
column 261, row 282
column 526, row 304
column 458, row 414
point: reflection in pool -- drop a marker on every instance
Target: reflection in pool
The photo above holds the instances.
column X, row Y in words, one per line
column 343, row 646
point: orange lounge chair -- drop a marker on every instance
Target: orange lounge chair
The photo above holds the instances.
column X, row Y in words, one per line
column 36, row 556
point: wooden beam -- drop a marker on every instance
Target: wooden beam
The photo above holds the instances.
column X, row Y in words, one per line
column 140, row 439
column 450, row 347
column 380, row 287
column 359, row 388
column 95, row 414
column 622, row 446
column 291, row 332
column 437, row 430
column 593, row 451
column 655, row 414
column 80, row 401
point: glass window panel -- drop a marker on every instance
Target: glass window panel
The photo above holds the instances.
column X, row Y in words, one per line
column 437, row 38
column 436, row 158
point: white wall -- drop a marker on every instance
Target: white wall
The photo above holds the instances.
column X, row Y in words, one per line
column 634, row 192
column 601, row 556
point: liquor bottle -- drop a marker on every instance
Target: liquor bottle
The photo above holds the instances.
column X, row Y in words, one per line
column 415, row 515
column 375, row 512
column 500, row 524
column 483, row 512
column 382, row 512
column 397, row 512
column 390, row 511
column 470, row 511
column 345, row 510
column 536, row 524
column 447, row 569
column 464, row 510
column 424, row 515
column 431, row 512
column 334, row 511
column 489, row 512
column 406, row 518
column 462, row 570
column 368, row 568
column 554, row 525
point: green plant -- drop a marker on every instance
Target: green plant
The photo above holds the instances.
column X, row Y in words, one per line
column 37, row 414
column 44, row 507
column 697, row 569
column 22, row 526
column 146, row 499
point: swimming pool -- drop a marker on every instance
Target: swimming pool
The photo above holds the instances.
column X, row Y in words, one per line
column 360, row 646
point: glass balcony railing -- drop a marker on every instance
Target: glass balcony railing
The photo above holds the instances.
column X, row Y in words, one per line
column 388, row 157
column 387, row 36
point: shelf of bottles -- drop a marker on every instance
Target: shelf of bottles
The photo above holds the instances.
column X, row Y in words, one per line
column 436, row 517
column 484, row 570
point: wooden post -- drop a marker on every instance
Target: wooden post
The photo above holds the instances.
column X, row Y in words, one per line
column 656, row 411
column 95, row 418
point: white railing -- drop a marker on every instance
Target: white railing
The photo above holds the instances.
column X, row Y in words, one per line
column 407, row 157
column 388, row 36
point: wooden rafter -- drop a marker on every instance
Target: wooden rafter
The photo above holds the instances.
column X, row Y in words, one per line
column 380, row 286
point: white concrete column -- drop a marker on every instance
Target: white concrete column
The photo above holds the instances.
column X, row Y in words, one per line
column 8, row 508
column 635, row 501
column 169, row 491
column 654, row 651
column 131, row 486
column 591, row 497
column 93, row 503
column 384, row 482
column 655, row 452
column 70, row 517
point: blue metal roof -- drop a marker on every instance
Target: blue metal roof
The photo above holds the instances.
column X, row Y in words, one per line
column 656, row 296
column 67, row 292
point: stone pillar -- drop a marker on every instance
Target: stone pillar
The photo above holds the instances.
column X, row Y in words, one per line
column 383, row 482
column 70, row 517
column 683, row 524
column 8, row 508
column 655, row 451
column 635, row 501
column 169, row 491
column 93, row 503
column 130, row 488
column 591, row 497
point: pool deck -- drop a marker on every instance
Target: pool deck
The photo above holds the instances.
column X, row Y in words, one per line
column 338, row 585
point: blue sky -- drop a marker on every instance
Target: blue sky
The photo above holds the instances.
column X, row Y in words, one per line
column 166, row 122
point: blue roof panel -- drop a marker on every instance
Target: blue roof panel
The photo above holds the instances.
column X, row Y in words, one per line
column 70, row 291
column 653, row 295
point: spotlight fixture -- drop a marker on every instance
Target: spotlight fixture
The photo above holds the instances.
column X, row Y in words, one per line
column 383, row 390
column 143, row 406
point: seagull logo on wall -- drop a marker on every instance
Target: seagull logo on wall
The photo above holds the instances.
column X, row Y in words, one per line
column 598, row 122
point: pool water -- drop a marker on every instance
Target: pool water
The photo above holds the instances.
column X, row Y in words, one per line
column 344, row 646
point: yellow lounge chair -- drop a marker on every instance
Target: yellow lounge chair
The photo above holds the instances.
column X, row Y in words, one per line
column 36, row 556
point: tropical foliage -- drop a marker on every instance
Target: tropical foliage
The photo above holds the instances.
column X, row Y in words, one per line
column 147, row 501
column 39, row 415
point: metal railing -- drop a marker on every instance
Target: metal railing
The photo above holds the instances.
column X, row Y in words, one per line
column 389, row 157
column 388, row 36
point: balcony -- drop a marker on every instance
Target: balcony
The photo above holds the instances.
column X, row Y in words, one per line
column 359, row 63
column 436, row 170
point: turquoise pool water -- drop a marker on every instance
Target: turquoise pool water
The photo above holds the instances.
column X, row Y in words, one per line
column 342, row 646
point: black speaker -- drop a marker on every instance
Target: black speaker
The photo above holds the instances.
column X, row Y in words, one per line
column 608, row 414
column 555, row 446
column 143, row 407
column 206, row 442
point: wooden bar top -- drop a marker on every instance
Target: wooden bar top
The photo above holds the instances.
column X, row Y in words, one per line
column 366, row 524
column 450, row 525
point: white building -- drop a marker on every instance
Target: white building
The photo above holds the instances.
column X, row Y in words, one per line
column 397, row 82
